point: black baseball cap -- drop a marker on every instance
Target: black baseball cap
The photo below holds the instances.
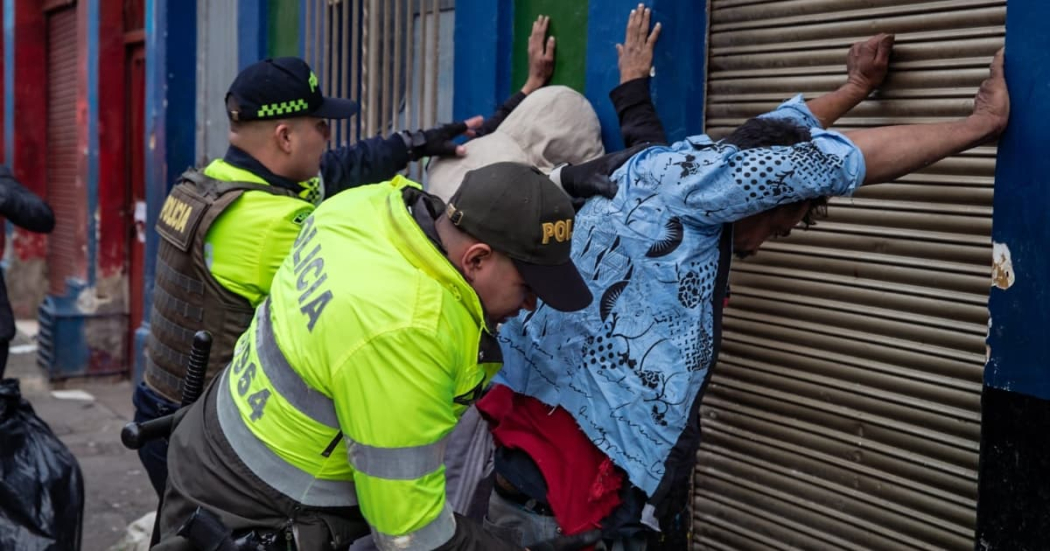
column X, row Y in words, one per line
column 518, row 211
column 280, row 88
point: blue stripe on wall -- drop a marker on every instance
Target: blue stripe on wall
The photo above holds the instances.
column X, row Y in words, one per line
column 680, row 61
column 91, row 178
column 9, row 95
column 155, row 191
column 483, row 37
column 605, row 29
column 503, row 54
column 181, row 79
column 251, row 31
column 155, row 139
column 1019, row 351
column 9, row 81
column 171, row 83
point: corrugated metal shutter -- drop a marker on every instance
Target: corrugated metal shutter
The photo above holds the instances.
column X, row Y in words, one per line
column 845, row 410
column 64, row 247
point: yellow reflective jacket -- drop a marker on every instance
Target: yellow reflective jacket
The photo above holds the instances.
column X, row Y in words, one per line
column 249, row 240
column 357, row 367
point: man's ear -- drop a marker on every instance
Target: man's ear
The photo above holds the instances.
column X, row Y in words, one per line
column 474, row 258
column 282, row 135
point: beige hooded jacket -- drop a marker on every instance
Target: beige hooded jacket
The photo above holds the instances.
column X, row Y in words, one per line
column 551, row 126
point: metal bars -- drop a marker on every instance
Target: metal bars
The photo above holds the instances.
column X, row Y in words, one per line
column 384, row 54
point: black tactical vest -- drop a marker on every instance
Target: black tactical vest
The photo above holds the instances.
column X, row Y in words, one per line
column 186, row 297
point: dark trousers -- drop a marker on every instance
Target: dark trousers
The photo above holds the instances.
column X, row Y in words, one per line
column 206, row 472
column 154, row 456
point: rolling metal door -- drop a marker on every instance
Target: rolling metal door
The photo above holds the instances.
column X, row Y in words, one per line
column 67, row 243
column 845, row 410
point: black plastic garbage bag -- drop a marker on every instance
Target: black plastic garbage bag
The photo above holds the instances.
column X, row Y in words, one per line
column 41, row 488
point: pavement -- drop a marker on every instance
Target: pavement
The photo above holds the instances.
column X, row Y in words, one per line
column 117, row 491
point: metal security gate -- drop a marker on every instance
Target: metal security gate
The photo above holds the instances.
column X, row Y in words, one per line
column 217, row 66
column 845, row 410
column 392, row 56
column 65, row 245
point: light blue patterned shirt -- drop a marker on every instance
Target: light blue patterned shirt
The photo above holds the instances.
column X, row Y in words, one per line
column 629, row 366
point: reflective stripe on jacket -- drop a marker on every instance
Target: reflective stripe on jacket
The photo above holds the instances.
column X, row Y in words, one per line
column 355, row 370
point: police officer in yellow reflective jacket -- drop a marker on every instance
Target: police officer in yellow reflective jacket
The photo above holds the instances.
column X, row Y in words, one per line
column 226, row 229
column 332, row 417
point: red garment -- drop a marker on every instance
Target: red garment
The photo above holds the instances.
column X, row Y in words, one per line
column 582, row 483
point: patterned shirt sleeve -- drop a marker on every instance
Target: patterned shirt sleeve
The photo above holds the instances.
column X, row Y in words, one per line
column 795, row 110
column 708, row 183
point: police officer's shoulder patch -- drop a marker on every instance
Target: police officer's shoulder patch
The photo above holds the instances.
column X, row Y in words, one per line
column 301, row 216
column 179, row 217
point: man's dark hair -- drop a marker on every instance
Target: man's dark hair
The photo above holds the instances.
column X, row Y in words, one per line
column 766, row 132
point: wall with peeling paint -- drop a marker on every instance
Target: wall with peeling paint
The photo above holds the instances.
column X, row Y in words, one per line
column 24, row 107
column 1002, row 266
column 260, row 29
column 170, row 142
column 1014, row 491
column 1020, row 298
column 83, row 314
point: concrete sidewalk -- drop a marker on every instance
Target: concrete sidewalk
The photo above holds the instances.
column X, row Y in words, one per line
column 117, row 491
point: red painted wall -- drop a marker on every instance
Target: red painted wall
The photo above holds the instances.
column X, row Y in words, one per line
column 30, row 149
column 114, row 218
column 79, row 227
column 29, row 159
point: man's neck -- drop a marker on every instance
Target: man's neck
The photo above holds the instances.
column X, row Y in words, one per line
column 241, row 158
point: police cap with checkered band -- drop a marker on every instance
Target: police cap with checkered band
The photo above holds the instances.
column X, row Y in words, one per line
column 518, row 211
column 282, row 88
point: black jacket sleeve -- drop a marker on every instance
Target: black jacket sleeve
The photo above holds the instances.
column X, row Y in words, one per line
column 491, row 123
column 22, row 207
column 638, row 121
column 366, row 162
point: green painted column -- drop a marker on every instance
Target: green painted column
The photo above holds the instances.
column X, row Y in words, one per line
column 284, row 28
column 569, row 28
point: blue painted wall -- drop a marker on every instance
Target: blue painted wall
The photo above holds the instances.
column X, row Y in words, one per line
column 483, row 56
column 91, row 178
column 1020, row 315
column 1013, row 495
column 679, row 60
column 170, row 102
column 9, row 84
column 252, row 31
column 483, row 60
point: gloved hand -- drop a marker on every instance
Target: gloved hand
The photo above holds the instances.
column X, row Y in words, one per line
column 437, row 141
column 592, row 178
column 568, row 543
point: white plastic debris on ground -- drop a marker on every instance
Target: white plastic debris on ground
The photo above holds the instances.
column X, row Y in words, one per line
column 136, row 537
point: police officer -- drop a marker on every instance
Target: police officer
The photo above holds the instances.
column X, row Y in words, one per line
column 226, row 228
column 378, row 333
